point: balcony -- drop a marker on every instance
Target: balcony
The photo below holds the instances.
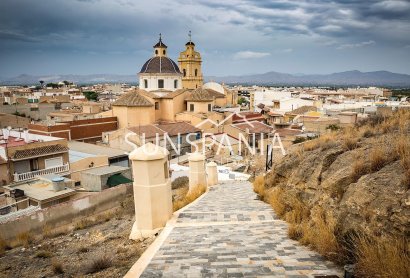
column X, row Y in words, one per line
column 47, row 171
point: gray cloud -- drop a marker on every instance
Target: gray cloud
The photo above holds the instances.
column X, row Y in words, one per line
column 119, row 34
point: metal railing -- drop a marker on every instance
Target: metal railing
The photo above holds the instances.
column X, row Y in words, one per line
column 47, row 171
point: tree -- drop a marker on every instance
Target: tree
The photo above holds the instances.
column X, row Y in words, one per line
column 41, row 83
column 91, row 95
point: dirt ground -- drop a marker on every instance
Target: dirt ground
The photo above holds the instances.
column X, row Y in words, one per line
column 97, row 247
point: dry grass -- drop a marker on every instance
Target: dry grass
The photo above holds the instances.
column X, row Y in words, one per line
column 382, row 257
column 320, row 234
column 97, row 264
column 325, row 142
column 378, row 159
column 295, row 231
column 57, row 267
column 403, row 152
column 43, row 254
column 191, row 196
column 359, row 168
column 83, row 223
column 259, row 186
column 3, row 246
column 274, row 197
column 24, row 239
column 350, row 143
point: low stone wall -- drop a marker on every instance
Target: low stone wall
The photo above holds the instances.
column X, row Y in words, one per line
column 65, row 213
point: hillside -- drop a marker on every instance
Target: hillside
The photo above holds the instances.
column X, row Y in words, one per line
column 347, row 195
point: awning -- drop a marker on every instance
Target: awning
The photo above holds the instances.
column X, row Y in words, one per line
column 117, row 179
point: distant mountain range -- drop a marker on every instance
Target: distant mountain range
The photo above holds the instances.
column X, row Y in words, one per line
column 347, row 78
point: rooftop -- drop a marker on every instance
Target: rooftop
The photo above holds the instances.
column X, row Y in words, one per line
column 106, row 170
column 95, row 149
column 41, row 190
column 254, row 127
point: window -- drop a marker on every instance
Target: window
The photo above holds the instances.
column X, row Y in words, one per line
column 175, row 83
column 145, row 83
column 164, row 52
column 196, row 72
column 156, row 52
column 209, row 107
column 184, row 70
column 191, row 107
column 156, row 105
column 160, row 83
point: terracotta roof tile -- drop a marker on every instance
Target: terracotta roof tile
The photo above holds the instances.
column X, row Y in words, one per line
column 149, row 130
column 254, row 127
column 39, row 151
column 200, row 94
column 181, row 127
column 133, row 98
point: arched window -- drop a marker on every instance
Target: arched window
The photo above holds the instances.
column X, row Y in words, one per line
column 145, row 83
column 164, row 52
column 184, row 70
column 156, row 52
column 196, row 72
column 175, row 83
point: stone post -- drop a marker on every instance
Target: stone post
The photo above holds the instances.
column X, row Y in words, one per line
column 152, row 190
column 197, row 174
column 212, row 172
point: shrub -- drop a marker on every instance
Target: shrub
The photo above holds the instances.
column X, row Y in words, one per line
column 189, row 197
column 43, row 254
column 97, row 264
column 333, row 127
column 57, row 267
column 180, row 182
column 83, row 249
column 382, row 257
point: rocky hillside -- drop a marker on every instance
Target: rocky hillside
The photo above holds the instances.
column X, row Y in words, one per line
column 347, row 185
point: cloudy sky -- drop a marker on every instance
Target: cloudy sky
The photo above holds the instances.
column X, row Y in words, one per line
column 233, row 36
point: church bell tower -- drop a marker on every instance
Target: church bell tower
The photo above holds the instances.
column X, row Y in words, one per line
column 190, row 66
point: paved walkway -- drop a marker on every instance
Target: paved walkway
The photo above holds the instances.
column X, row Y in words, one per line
column 229, row 233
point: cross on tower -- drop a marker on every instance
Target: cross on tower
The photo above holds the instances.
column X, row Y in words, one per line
column 189, row 35
column 160, row 37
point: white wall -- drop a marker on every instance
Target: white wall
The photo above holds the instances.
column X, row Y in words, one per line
column 153, row 82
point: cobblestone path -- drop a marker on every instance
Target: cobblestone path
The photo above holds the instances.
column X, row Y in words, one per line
column 230, row 233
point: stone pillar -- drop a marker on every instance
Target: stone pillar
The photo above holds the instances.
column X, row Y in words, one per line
column 197, row 174
column 152, row 190
column 212, row 172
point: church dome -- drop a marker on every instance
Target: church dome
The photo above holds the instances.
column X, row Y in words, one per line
column 160, row 64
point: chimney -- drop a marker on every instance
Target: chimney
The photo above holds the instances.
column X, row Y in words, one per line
column 5, row 133
column 26, row 136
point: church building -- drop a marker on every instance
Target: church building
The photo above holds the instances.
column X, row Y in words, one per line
column 171, row 93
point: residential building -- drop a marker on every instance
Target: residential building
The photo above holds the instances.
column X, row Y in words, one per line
column 29, row 155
